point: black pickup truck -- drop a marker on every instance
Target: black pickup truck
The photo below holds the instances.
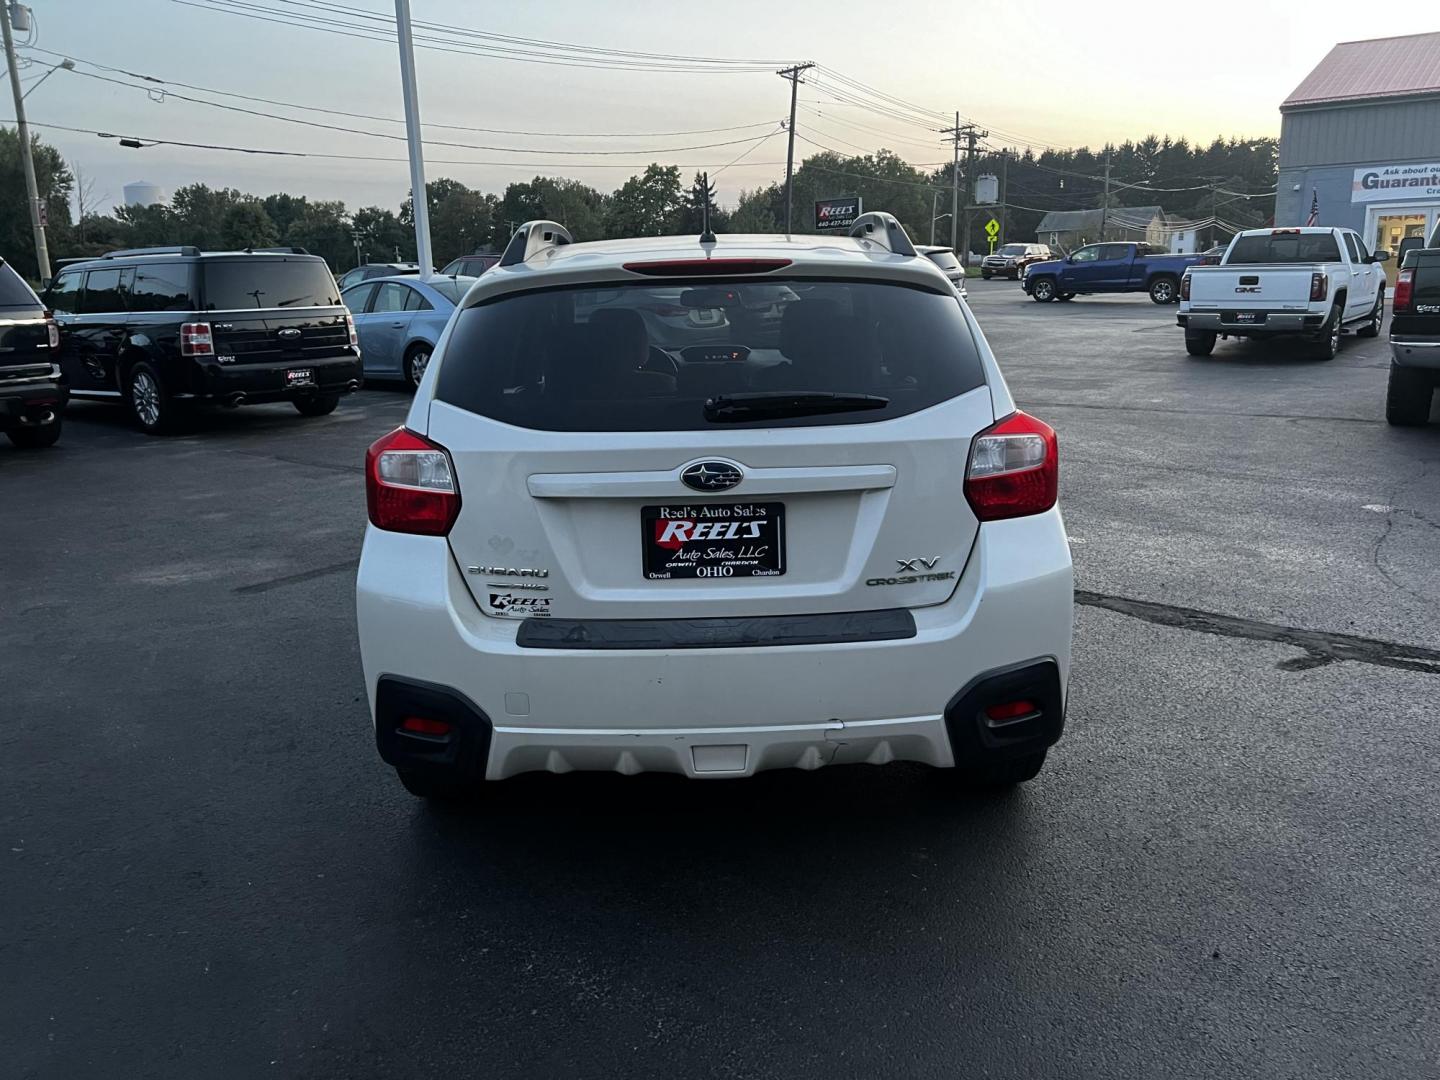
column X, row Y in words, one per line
column 1414, row 339
column 32, row 396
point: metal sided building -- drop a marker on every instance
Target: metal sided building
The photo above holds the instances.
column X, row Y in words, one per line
column 1360, row 139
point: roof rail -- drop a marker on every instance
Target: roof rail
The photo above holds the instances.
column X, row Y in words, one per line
column 532, row 238
column 182, row 249
column 276, row 251
column 882, row 228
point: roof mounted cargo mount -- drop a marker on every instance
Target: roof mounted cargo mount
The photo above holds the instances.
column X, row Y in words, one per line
column 882, row 228
column 532, row 238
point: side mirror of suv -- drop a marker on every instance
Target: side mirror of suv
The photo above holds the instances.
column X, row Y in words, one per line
column 1380, row 257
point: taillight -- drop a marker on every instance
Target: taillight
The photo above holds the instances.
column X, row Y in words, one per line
column 1185, row 287
column 1319, row 285
column 196, row 339
column 1014, row 469
column 52, row 333
column 1404, row 290
column 350, row 329
column 410, row 485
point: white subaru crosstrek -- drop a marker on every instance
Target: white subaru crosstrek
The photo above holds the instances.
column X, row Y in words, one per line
column 711, row 508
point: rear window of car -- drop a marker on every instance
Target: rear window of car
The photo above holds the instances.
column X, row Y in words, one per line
column 452, row 288
column 1285, row 248
column 239, row 284
column 13, row 290
column 646, row 357
column 945, row 260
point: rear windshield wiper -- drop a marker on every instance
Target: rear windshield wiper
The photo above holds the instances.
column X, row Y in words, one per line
column 735, row 408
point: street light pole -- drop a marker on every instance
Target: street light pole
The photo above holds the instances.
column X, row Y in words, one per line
column 32, row 189
column 419, row 199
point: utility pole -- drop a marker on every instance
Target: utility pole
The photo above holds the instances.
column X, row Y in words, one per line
column 32, row 190
column 1105, row 204
column 934, row 209
column 793, row 74
column 419, row 198
column 1004, row 160
column 970, row 133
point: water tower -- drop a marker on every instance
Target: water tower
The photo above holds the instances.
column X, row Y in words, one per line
column 142, row 193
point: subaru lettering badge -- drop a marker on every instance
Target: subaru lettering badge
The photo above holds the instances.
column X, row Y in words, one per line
column 712, row 476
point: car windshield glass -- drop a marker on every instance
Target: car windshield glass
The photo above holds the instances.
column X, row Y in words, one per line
column 237, row 284
column 13, row 290
column 451, row 288
column 1012, row 249
column 647, row 357
column 1285, row 248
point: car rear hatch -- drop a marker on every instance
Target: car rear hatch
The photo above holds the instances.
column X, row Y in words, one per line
column 24, row 344
column 271, row 309
column 593, row 489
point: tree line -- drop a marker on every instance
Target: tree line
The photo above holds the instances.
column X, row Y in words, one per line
column 1206, row 181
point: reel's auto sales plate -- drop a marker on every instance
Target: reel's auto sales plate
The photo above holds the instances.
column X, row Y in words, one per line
column 713, row 540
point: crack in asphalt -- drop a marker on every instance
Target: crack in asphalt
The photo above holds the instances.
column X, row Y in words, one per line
column 295, row 579
column 1320, row 647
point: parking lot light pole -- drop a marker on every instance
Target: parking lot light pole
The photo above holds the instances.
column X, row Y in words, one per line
column 419, row 199
column 32, row 189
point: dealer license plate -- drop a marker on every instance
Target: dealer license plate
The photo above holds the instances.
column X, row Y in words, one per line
column 1250, row 316
column 300, row 377
column 713, row 540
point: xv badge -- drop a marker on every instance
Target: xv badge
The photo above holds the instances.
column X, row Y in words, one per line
column 909, row 565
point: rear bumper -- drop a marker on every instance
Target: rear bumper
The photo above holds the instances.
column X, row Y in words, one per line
column 723, row 711
column 1276, row 322
column 26, row 391
column 259, row 383
column 1416, row 352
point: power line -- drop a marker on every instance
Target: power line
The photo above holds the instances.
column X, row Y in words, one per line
column 292, row 18
column 141, row 141
column 162, row 83
column 429, row 142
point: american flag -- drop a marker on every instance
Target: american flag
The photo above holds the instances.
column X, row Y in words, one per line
column 1314, row 207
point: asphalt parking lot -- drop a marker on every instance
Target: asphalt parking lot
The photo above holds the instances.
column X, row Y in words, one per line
column 1226, row 869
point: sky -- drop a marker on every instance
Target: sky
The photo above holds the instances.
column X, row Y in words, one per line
column 1040, row 73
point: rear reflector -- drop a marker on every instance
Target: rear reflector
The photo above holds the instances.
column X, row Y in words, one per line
column 410, row 485
column 1404, row 291
column 1012, row 710
column 706, row 267
column 1014, row 469
column 423, row 725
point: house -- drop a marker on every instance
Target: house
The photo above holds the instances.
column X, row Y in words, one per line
column 1066, row 230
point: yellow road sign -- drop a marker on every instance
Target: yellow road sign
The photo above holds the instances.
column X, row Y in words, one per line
column 992, row 227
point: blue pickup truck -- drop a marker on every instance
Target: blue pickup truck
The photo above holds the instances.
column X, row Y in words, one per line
column 1108, row 268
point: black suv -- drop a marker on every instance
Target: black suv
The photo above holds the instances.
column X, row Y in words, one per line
column 32, row 396
column 161, row 328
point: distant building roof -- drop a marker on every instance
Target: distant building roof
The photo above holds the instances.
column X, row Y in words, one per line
column 1378, row 68
column 1089, row 220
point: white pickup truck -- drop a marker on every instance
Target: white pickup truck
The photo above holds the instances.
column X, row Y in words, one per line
column 1313, row 283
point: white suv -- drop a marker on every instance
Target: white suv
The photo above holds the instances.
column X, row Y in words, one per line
column 809, row 528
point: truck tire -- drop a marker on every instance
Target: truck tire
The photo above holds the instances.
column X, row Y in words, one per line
column 1377, row 318
column 1042, row 290
column 985, row 275
column 1407, row 397
column 1065, row 296
column 1328, row 343
column 316, row 404
column 1200, row 343
column 1164, row 289
column 35, row 436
